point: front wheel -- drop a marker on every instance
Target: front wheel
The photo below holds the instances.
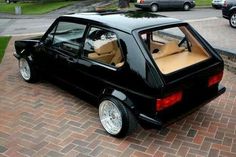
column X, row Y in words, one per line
column 154, row 8
column 186, row 7
column 232, row 20
column 116, row 119
column 27, row 71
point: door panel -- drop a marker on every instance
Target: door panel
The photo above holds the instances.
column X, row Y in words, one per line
column 61, row 49
column 101, row 58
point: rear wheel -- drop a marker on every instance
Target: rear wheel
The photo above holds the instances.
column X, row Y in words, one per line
column 27, row 71
column 232, row 20
column 186, row 6
column 116, row 119
column 8, row 1
column 154, row 8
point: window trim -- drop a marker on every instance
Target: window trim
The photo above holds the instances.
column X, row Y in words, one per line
column 55, row 25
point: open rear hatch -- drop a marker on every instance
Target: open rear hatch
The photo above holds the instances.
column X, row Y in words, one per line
column 190, row 68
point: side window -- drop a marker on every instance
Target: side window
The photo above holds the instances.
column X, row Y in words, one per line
column 102, row 45
column 67, row 37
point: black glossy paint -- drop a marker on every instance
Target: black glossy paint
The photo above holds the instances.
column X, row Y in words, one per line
column 138, row 83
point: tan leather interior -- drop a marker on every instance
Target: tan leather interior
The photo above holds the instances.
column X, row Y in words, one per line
column 171, row 57
column 168, row 49
column 107, row 51
column 178, row 61
column 155, row 45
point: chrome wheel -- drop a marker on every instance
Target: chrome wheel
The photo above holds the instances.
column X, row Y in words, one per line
column 24, row 69
column 233, row 20
column 110, row 117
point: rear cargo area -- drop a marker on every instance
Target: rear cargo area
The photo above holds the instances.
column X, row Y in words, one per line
column 174, row 48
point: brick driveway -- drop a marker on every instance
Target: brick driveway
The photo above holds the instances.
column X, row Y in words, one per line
column 44, row 120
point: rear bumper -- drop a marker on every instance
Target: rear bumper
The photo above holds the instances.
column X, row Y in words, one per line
column 216, row 5
column 179, row 111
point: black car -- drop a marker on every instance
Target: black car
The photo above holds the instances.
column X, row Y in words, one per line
column 137, row 65
column 229, row 12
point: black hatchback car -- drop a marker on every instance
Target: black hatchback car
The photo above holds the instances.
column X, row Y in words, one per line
column 229, row 12
column 137, row 65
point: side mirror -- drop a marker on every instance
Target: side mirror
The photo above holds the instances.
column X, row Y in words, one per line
column 48, row 41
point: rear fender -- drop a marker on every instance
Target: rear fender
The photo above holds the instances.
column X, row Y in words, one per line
column 232, row 9
column 120, row 96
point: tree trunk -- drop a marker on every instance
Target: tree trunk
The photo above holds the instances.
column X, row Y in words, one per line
column 124, row 3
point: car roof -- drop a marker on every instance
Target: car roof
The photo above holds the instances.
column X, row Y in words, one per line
column 126, row 21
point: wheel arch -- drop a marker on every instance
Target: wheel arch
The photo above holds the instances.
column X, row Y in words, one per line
column 121, row 96
column 155, row 4
column 24, row 48
column 232, row 10
column 187, row 2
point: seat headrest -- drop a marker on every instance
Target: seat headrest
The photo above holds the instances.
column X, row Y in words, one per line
column 168, row 49
column 103, row 46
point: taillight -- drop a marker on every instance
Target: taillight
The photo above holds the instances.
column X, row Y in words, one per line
column 141, row 1
column 168, row 101
column 215, row 79
column 225, row 4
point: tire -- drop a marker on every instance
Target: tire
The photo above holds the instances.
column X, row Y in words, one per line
column 154, row 7
column 115, row 118
column 8, row 1
column 186, row 6
column 232, row 20
column 27, row 71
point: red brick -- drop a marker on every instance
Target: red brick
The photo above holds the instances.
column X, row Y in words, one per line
column 140, row 154
column 41, row 119
column 183, row 151
column 198, row 139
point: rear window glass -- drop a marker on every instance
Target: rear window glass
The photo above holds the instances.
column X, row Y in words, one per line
column 173, row 48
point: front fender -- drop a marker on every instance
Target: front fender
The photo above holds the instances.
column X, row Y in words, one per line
column 24, row 47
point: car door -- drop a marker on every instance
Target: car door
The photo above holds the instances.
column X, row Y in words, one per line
column 170, row 4
column 61, row 49
column 101, row 62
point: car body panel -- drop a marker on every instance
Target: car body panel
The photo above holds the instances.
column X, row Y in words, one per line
column 138, row 83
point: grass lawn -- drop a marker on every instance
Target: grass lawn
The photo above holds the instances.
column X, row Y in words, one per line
column 203, row 2
column 3, row 44
column 33, row 8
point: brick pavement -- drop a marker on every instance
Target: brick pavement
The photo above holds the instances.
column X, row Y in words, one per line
column 43, row 120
